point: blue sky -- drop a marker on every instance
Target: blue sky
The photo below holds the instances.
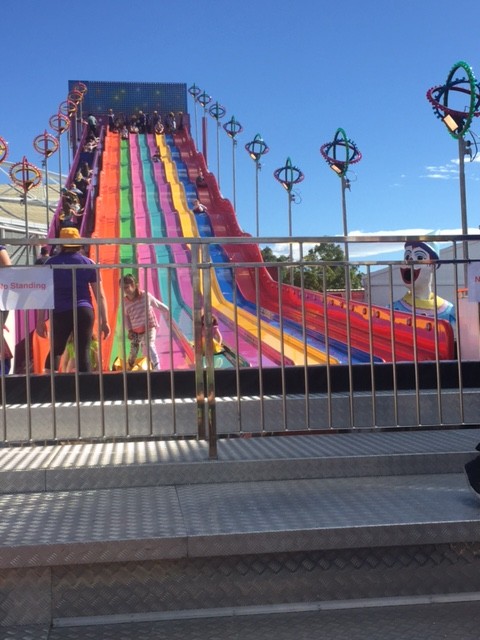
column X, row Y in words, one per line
column 293, row 72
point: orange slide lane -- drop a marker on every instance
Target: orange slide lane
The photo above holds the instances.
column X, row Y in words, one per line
column 107, row 226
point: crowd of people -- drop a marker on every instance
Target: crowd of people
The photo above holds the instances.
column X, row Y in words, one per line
column 73, row 198
column 142, row 122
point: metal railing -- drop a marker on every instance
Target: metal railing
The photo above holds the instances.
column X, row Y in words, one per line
column 292, row 360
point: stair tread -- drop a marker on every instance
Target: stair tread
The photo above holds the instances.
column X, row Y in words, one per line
column 448, row 620
column 141, row 523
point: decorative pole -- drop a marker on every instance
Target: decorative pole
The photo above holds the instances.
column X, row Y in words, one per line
column 351, row 155
column 458, row 123
column 75, row 96
column 46, row 145
column 195, row 91
column 257, row 148
column 69, row 108
column 233, row 128
column 204, row 99
column 26, row 176
column 288, row 176
column 59, row 123
column 217, row 111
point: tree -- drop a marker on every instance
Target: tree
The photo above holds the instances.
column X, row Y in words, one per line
column 316, row 268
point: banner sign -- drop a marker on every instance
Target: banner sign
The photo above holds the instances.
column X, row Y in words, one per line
column 474, row 282
column 26, row 288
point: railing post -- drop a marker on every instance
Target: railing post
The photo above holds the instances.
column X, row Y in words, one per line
column 209, row 364
column 204, row 363
column 197, row 327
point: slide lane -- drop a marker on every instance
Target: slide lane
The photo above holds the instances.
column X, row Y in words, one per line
column 106, row 226
column 340, row 315
column 275, row 344
column 146, row 209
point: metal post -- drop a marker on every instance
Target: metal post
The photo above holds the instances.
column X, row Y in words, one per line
column 257, row 216
column 344, row 183
column 234, row 144
column 197, row 312
column 289, row 193
column 46, row 192
column 463, row 202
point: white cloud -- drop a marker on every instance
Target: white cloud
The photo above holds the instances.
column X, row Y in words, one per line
column 375, row 249
column 441, row 172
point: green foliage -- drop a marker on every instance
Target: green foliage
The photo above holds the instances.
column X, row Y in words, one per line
column 316, row 268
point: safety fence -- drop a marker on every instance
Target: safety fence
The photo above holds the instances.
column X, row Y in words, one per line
column 240, row 355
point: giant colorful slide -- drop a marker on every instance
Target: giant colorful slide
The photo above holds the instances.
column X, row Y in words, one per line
column 146, row 189
column 367, row 329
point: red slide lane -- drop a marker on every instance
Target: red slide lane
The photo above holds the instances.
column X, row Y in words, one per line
column 318, row 308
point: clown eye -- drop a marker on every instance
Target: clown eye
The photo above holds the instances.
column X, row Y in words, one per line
column 420, row 255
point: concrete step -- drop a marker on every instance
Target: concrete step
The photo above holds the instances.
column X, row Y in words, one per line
column 81, row 466
column 448, row 620
column 149, row 528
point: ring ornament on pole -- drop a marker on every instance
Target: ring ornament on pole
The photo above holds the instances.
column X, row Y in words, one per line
column 45, row 144
column 3, row 150
column 288, row 176
column 59, row 123
column 457, row 122
column 68, row 108
column 75, row 96
column 81, row 87
column 194, row 91
column 233, row 128
column 217, row 111
column 257, row 148
column 204, row 99
column 25, row 175
column 349, row 149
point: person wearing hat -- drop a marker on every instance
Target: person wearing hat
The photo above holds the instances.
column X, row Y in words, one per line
column 67, row 307
column 418, row 280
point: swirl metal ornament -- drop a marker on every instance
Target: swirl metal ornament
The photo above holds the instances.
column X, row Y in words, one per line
column 458, row 121
column 3, row 150
column 45, row 144
column 59, row 123
column 233, row 128
column 288, row 175
column 25, row 175
column 68, row 108
column 340, row 145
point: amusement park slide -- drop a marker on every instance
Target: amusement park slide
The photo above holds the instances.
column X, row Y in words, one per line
column 367, row 329
column 275, row 344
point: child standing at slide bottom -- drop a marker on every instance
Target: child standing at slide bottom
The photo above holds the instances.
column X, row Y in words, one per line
column 141, row 321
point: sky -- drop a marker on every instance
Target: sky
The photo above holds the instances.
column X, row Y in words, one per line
column 293, row 72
